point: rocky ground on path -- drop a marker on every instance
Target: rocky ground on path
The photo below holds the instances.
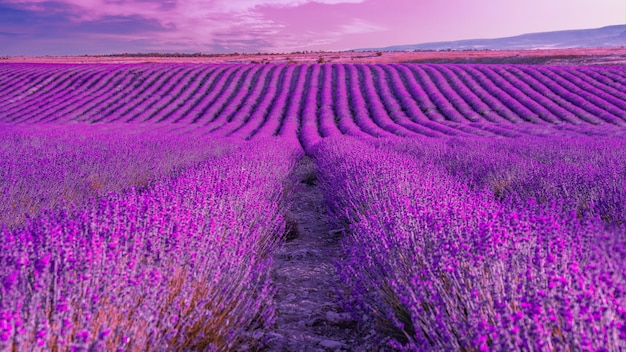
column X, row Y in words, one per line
column 310, row 314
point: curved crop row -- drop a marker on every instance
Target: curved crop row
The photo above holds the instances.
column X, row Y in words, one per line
column 311, row 102
column 271, row 123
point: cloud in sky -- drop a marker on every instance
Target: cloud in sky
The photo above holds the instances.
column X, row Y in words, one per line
column 38, row 27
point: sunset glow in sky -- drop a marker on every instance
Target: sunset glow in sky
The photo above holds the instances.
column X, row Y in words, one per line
column 72, row 27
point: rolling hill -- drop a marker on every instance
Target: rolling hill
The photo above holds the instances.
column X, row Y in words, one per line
column 610, row 36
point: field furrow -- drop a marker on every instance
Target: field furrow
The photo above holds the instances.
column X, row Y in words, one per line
column 319, row 101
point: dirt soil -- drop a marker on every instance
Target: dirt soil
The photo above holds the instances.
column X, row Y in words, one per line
column 574, row 56
column 310, row 313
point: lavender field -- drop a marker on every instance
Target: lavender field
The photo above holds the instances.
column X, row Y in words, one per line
column 383, row 207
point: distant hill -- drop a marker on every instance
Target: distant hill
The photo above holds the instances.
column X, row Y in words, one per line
column 610, row 36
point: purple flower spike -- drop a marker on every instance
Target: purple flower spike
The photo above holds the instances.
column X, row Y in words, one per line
column 42, row 263
column 9, row 280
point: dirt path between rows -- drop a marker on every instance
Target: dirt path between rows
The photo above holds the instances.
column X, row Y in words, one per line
column 310, row 313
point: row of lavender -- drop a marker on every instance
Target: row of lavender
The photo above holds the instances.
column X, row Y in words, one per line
column 181, row 263
column 45, row 166
column 318, row 100
column 589, row 174
column 478, row 244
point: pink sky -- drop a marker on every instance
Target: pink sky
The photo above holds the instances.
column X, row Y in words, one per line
column 106, row 26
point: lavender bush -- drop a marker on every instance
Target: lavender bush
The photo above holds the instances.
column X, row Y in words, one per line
column 585, row 174
column 46, row 166
column 181, row 265
column 448, row 267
